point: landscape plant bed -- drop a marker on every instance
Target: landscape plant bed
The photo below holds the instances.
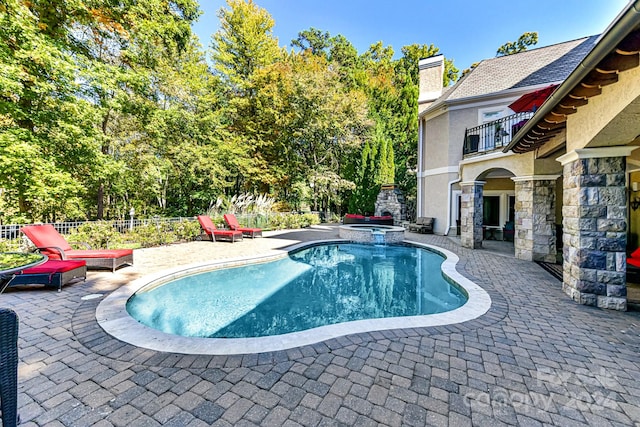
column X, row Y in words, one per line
column 11, row 260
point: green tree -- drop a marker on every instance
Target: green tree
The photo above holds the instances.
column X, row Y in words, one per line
column 524, row 41
column 405, row 112
column 184, row 160
column 122, row 52
column 313, row 40
column 106, row 107
column 45, row 131
column 244, row 43
column 411, row 54
column 312, row 119
column 375, row 167
column 79, row 86
column 242, row 47
column 509, row 48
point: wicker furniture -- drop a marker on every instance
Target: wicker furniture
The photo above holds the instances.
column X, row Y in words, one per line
column 9, row 366
column 12, row 263
column 423, row 224
column 233, row 224
column 53, row 273
column 508, row 232
column 51, row 243
column 216, row 234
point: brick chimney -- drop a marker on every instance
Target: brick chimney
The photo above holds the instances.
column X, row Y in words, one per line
column 431, row 74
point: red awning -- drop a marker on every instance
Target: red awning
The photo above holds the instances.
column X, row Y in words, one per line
column 532, row 100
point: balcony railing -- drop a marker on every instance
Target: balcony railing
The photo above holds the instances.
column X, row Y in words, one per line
column 493, row 135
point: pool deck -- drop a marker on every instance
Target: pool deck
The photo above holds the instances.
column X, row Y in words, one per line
column 535, row 358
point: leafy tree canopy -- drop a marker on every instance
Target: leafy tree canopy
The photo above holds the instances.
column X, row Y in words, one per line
column 105, row 106
column 520, row 45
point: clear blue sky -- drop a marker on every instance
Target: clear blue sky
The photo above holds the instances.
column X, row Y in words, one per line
column 465, row 31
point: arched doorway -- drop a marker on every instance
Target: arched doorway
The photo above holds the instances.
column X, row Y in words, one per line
column 486, row 205
column 498, row 204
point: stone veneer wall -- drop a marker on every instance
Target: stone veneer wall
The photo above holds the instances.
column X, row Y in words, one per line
column 471, row 214
column 594, row 231
column 390, row 199
column 535, row 217
column 365, row 235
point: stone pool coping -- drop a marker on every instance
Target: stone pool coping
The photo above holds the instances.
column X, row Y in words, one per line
column 364, row 233
column 113, row 317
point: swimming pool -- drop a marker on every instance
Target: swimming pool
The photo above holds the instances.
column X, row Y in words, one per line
column 317, row 286
column 114, row 318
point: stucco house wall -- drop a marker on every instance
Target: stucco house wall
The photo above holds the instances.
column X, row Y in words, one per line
column 600, row 122
column 488, row 88
column 437, row 170
column 436, row 151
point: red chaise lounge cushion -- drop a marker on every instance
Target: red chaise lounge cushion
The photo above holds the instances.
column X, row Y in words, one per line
column 51, row 273
column 210, row 228
column 233, row 224
column 55, row 266
column 52, row 244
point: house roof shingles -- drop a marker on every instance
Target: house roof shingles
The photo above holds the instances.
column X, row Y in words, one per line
column 529, row 68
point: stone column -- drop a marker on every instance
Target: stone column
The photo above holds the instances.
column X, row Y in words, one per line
column 535, row 217
column 595, row 226
column 471, row 214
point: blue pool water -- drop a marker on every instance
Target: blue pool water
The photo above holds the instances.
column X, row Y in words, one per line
column 317, row 286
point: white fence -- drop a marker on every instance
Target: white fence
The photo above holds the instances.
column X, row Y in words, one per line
column 12, row 231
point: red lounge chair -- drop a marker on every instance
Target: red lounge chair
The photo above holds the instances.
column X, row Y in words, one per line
column 634, row 258
column 633, row 267
column 210, row 228
column 52, row 273
column 51, row 243
column 233, row 224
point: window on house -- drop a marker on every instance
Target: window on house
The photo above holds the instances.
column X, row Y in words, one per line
column 491, row 210
column 512, row 208
column 490, row 116
column 487, row 115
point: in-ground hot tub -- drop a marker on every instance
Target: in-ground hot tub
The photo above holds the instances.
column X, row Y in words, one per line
column 372, row 233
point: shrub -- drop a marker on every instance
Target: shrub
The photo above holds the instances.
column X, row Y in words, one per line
column 310, row 219
column 293, row 220
column 98, row 235
column 13, row 245
column 153, row 234
column 334, row 218
column 164, row 233
column 186, row 230
column 281, row 207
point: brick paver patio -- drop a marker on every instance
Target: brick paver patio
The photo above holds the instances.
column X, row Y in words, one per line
column 536, row 358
